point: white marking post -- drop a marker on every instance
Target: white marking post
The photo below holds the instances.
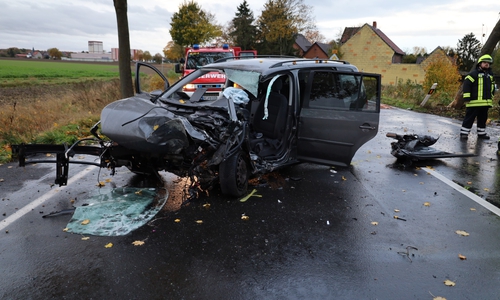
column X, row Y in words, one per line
column 431, row 90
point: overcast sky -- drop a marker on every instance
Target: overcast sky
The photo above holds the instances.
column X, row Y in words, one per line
column 69, row 25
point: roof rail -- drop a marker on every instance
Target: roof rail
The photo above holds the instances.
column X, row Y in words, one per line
column 304, row 60
column 249, row 57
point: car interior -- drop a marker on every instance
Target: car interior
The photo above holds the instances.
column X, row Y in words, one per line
column 268, row 134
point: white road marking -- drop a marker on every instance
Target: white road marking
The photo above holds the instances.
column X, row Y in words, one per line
column 465, row 192
column 39, row 201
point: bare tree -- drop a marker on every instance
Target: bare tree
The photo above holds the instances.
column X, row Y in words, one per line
column 126, row 88
column 488, row 48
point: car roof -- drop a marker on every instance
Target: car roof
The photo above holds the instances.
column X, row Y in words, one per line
column 268, row 65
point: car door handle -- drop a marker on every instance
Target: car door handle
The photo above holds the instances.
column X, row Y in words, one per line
column 367, row 126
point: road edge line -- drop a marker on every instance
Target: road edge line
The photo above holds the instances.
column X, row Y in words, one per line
column 40, row 200
column 465, row 192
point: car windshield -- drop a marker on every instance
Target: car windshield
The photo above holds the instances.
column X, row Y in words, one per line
column 247, row 79
column 198, row 59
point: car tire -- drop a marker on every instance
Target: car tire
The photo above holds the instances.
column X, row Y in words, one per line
column 233, row 175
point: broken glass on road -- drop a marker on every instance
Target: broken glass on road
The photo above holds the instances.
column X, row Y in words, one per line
column 118, row 211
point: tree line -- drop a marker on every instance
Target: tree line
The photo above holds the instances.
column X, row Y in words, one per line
column 275, row 31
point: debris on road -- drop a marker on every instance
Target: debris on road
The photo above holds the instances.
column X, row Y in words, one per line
column 117, row 211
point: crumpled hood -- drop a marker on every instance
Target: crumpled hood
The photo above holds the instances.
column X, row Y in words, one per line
column 147, row 127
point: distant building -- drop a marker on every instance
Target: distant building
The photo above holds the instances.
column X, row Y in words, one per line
column 104, row 57
column 114, row 53
column 305, row 49
column 95, row 47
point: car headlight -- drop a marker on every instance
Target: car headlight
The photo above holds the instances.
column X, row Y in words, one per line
column 190, row 87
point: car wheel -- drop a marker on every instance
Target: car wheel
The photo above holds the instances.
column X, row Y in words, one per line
column 233, row 175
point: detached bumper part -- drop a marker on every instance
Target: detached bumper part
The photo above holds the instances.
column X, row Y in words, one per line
column 62, row 161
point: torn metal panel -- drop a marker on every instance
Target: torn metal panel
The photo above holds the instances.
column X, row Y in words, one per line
column 416, row 147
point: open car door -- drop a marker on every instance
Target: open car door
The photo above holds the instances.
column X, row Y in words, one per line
column 144, row 76
column 339, row 113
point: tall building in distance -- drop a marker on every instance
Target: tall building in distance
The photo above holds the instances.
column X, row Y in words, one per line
column 95, row 47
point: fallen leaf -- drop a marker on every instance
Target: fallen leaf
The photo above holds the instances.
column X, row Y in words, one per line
column 206, row 205
column 1, row 179
column 469, row 182
column 155, row 127
column 472, row 208
column 462, row 257
column 66, row 229
column 417, row 168
column 415, row 174
column 420, row 182
column 48, row 155
column 396, row 210
column 252, row 193
column 430, row 167
column 139, row 192
column 108, row 180
column 343, row 178
column 438, row 298
column 138, row 243
column 245, row 217
column 486, row 189
column 404, row 191
column 85, row 222
column 374, row 223
column 177, row 220
column 427, row 204
column 108, row 245
column 462, row 233
column 199, row 221
column 100, row 184
column 449, row 282
column 85, row 238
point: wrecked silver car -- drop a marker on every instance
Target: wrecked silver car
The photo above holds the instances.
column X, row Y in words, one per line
column 270, row 113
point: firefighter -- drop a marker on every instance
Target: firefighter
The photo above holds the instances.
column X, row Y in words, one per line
column 478, row 88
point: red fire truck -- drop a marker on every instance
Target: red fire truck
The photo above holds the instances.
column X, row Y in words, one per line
column 199, row 56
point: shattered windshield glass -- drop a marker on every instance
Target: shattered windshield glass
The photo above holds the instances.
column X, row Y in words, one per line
column 247, row 79
column 115, row 212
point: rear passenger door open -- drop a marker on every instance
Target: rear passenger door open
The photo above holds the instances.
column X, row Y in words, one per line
column 339, row 113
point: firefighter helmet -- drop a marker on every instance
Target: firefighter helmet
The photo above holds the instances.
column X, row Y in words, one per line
column 486, row 58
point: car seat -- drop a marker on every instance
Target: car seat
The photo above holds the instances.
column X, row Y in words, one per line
column 271, row 130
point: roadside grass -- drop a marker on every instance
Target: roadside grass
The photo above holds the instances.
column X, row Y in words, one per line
column 55, row 120
column 61, row 111
column 35, row 72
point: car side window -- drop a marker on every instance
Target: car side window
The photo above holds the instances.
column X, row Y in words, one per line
column 337, row 91
column 325, row 91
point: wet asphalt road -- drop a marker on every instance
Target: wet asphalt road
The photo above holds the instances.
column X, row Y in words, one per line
column 310, row 236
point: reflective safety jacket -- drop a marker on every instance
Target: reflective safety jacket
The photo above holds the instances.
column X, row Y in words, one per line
column 479, row 88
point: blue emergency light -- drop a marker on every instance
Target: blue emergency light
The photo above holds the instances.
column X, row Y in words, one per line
column 196, row 47
column 225, row 46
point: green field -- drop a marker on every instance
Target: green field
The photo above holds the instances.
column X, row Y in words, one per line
column 34, row 72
